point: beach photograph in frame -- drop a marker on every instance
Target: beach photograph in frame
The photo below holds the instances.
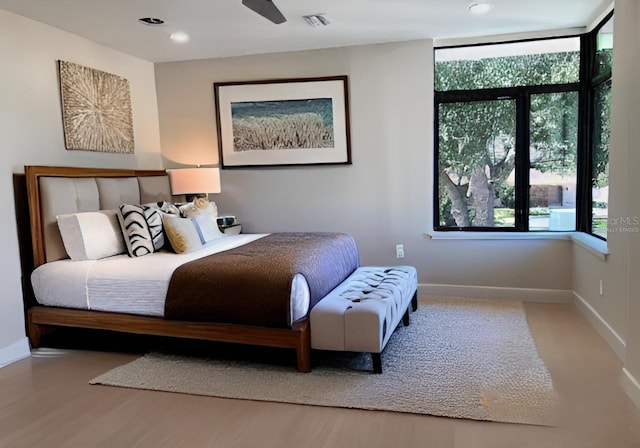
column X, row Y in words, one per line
column 302, row 121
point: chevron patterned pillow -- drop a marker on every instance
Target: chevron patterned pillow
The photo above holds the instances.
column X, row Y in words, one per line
column 141, row 228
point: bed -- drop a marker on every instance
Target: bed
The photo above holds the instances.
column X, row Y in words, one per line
column 225, row 290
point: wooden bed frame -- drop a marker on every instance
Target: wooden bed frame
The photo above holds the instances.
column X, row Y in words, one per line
column 41, row 319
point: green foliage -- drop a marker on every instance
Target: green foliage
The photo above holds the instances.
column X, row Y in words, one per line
column 599, row 226
column 602, row 135
column 446, row 219
column 507, row 195
column 508, row 71
column 604, row 60
column 476, row 137
column 475, row 134
column 554, row 132
column 504, row 217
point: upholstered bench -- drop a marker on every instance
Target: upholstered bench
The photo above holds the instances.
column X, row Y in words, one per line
column 362, row 312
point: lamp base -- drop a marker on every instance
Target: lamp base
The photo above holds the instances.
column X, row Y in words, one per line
column 192, row 197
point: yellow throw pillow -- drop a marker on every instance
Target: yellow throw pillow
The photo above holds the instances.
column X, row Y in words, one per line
column 204, row 215
column 199, row 206
column 182, row 234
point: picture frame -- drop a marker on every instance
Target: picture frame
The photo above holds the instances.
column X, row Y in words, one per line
column 283, row 122
column 96, row 110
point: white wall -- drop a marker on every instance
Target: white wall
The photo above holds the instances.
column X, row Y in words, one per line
column 630, row 12
column 31, row 130
column 617, row 311
column 384, row 198
column 588, row 270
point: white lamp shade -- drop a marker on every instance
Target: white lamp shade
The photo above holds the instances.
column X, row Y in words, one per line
column 195, row 180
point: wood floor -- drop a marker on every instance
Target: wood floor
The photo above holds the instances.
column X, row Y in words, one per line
column 46, row 401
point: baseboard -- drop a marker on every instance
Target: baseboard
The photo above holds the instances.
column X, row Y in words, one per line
column 15, row 352
column 631, row 386
column 494, row 292
column 606, row 331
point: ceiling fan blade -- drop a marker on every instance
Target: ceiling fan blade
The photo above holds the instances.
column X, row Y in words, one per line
column 267, row 9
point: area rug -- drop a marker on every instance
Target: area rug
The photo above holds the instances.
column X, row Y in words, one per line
column 473, row 359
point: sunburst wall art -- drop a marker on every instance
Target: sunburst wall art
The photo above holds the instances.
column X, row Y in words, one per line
column 96, row 110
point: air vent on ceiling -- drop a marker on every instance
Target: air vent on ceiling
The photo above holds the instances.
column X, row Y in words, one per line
column 316, row 20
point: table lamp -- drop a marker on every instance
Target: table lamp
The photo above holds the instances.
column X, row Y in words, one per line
column 194, row 182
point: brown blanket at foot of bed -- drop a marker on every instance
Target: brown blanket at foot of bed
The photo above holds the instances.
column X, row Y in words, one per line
column 251, row 284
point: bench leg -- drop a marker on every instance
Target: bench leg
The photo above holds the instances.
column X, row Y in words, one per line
column 405, row 318
column 414, row 302
column 376, row 358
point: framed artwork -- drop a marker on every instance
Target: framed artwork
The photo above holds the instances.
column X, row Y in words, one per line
column 302, row 121
column 96, row 110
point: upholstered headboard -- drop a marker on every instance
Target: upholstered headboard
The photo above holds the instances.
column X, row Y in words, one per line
column 53, row 191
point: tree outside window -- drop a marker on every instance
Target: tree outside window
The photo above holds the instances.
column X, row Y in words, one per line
column 497, row 105
column 523, row 132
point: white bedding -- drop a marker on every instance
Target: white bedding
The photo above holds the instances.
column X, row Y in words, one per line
column 135, row 285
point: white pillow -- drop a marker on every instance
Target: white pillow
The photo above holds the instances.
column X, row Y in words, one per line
column 207, row 227
column 204, row 215
column 182, row 233
column 91, row 235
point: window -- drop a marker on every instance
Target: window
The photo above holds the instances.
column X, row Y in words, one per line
column 477, row 154
column 600, row 159
column 604, row 49
column 509, row 120
column 553, row 144
column 601, row 129
column 550, row 61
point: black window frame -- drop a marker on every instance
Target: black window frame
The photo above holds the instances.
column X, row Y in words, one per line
column 591, row 80
column 585, row 88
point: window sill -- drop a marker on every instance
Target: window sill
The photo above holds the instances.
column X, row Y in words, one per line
column 595, row 246
column 591, row 244
column 435, row 235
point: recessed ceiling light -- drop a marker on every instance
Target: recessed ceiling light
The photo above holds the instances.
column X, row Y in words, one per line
column 179, row 37
column 480, row 8
column 151, row 21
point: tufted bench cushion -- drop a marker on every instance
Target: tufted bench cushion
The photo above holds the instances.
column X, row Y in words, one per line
column 362, row 312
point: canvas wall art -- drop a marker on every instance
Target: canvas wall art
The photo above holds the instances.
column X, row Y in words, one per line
column 96, row 109
column 303, row 121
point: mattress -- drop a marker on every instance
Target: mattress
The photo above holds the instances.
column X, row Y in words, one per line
column 135, row 285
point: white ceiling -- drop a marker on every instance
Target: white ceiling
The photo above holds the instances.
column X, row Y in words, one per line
column 220, row 28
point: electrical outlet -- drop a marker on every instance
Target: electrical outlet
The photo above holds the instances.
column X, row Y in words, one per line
column 399, row 251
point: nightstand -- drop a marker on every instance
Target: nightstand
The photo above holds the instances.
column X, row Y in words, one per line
column 232, row 229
